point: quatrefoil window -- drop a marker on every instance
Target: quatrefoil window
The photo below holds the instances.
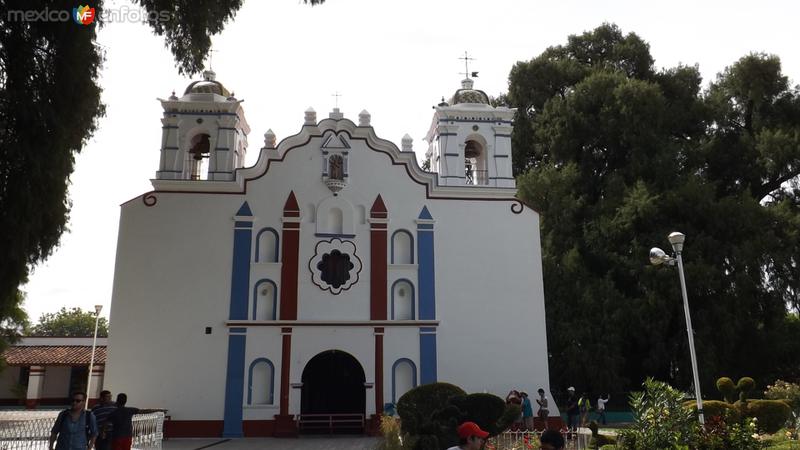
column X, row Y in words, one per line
column 335, row 265
column 335, row 268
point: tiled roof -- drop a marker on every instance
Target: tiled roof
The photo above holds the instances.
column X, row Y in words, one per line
column 53, row 355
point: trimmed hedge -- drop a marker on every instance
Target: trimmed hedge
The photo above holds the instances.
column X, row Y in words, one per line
column 431, row 413
column 715, row 408
column 726, row 387
column 772, row 415
column 426, row 413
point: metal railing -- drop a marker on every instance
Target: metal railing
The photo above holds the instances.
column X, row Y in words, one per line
column 524, row 440
column 30, row 430
column 330, row 422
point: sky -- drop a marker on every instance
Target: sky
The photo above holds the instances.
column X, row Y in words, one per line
column 396, row 59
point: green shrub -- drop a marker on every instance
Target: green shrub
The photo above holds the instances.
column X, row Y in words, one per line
column 745, row 386
column 660, row 419
column 489, row 411
column 430, row 414
column 715, row 408
column 726, row 387
column 772, row 415
column 427, row 415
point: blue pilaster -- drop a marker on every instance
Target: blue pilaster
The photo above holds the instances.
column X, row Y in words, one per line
column 237, row 337
column 426, row 279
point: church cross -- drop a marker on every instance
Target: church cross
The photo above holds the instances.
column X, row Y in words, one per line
column 336, row 95
column 211, row 58
column 467, row 59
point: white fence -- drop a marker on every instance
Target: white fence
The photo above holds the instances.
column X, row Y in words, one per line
column 30, row 430
column 524, row 440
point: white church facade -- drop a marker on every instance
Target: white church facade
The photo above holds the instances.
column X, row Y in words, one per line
column 330, row 277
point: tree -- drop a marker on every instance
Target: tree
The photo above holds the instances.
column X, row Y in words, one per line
column 50, row 106
column 74, row 322
column 615, row 155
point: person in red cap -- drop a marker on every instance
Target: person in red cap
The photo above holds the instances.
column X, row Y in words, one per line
column 470, row 437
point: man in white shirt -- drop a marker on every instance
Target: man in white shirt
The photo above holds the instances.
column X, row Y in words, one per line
column 601, row 408
column 470, row 437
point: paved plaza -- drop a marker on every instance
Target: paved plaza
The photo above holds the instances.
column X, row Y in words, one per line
column 302, row 443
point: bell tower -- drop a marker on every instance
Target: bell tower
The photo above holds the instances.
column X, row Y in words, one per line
column 204, row 133
column 469, row 141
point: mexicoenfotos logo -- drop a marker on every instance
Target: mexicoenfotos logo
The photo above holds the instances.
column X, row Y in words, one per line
column 83, row 15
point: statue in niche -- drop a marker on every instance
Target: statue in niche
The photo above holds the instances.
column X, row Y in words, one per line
column 336, row 167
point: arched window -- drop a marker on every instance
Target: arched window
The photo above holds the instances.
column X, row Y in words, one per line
column 402, row 247
column 261, row 382
column 267, row 249
column 403, row 300
column 265, row 304
column 404, row 378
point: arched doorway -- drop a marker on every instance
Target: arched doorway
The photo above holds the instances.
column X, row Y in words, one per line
column 333, row 383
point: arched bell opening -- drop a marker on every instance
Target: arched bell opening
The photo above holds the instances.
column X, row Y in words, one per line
column 475, row 168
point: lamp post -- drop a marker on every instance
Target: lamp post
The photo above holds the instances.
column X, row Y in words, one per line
column 97, row 309
column 657, row 257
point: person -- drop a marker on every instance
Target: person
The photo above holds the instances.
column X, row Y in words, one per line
column 552, row 440
column 101, row 413
column 543, row 411
column 75, row 428
column 122, row 423
column 601, row 408
column 527, row 411
column 584, row 405
column 470, row 437
column 572, row 409
column 513, row 398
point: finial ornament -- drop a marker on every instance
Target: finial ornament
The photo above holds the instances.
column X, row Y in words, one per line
column 407, row 143
column 311, row 117
column 364, row 118
column 209, row 75
column 269, row 139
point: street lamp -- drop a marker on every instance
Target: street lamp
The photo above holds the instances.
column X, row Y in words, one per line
column 97, row 309
column 658, row 257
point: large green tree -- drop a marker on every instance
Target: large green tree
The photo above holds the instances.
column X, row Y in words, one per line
column 615, row 154
column 50, row 106
column 73, row 322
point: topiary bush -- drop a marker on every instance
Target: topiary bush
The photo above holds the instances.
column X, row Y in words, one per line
column 745, row 386
column 431, row 413
column 427, row 414
column 772, row 415
column 726, row 387
column 715, row 408
column 489, row 411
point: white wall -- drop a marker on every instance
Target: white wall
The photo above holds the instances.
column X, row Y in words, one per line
column 173, row 271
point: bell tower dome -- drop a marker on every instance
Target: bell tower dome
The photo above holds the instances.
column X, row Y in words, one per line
column 469, row 141
column 204, row 133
